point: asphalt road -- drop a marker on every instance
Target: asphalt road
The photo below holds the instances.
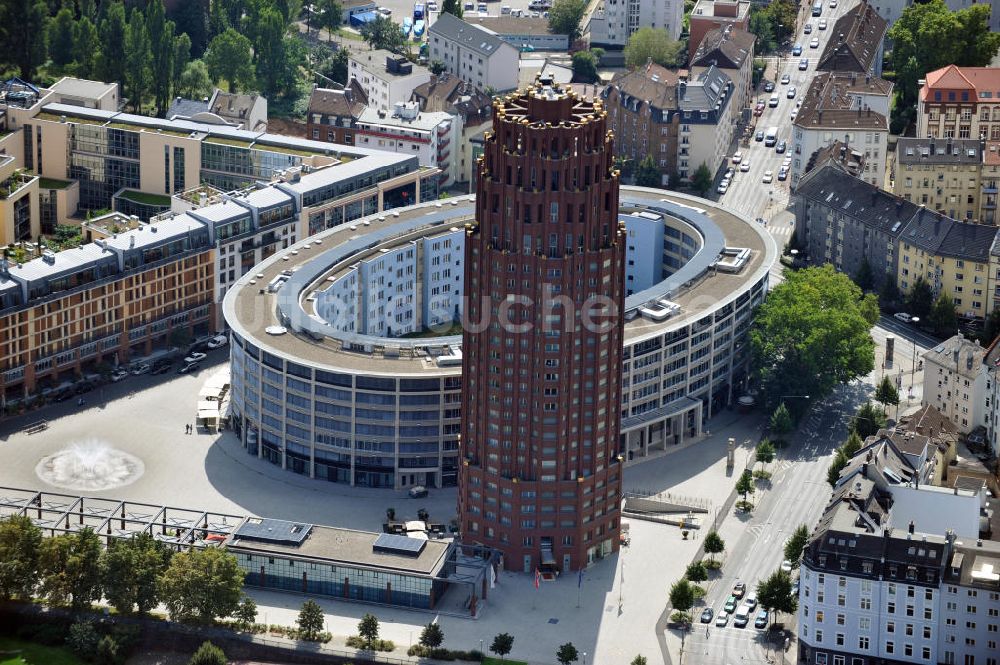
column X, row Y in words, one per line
column 748, row 193
column 796, row 494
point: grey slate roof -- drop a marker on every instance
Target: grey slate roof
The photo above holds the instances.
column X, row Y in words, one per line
column 855, row 41
column 727, row 48
column 185, row 107
column 911, row 150
column 706, row 92
column 871, row 205
column 937, row 233
column 455, row 29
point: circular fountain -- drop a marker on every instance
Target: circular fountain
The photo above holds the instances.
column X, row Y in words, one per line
column 90, row 466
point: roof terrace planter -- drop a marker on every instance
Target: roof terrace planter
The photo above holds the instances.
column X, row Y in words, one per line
column 236, row 143
column 53, row 183
column 144, row 198
column 15, row 183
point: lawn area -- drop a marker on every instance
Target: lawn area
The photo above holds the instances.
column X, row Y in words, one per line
column 488, row 660
column 36, row 654
column 146, row 198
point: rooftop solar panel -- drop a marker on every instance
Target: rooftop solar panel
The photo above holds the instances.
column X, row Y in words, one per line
column 389, row 543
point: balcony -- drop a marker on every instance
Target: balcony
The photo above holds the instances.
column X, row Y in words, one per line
column 14, row 184
column 444, row 128
column 443, row 143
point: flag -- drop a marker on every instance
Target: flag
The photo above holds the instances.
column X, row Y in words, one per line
column 538, row 577
column 579, row 579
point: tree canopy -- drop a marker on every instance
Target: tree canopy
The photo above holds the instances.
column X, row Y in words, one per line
column 566, row 17
column 868, row 420
column 648, row 173
column 502, row 644
column 812, row 333
column 796, row 543
column 744, row 485
column 70, row 568
column 310, row 620
column 432, row 636
column 20, row 541
column 567, row 654
column 775, row 593
column 202, row 585
column 886, row 393
column 130, row 570
column 696, row 572
column 920, row 299
column 714, row 544
column 229, row 58
column 585, row 66
column 781, row 420
column 384, row 33
column 836, row 466
column 368, row 628
column 943, row 317
column 654, row 44
column 681, row 595
column 208, row 654
column 453, row 7
column 701, row 180
column 765, row 452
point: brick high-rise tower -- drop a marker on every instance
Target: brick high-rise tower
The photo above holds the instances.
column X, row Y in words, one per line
column 544, row 268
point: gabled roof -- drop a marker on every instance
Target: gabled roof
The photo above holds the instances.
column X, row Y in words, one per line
column 874, row 207
column 349, row 102
column 185, row 108
column 726, row 48
column 939, row 234
column 840, row 155
column 855, row 41
column 447, row 92
column 983, row 82
column 653, row 84
column 832, row 102
column 704, row 94
column 912, row 150
column 469, row 35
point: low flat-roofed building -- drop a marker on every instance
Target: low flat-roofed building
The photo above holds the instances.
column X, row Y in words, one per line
column 525, row 33
column 90, row 94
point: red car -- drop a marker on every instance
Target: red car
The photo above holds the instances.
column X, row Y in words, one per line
column 759, row 109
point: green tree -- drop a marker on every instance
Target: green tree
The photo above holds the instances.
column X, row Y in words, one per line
column 920, row 299
column 208, row 654
column 229, row 58
column 760, row 25
column 812, row 334
column 111, row 31
column 639, row 660
column 696, row 572
column 182, row 57
column 432, row 636
column 865, row 277
column 701, row 180
column 270, row 52
column 744, row 485
column 384, row 33
column 191, row 19
column 138, row 56
column 245, row 613
column 70, row 568
column 330, row 16
column 453, row 7
column 852, row 445
column 437, row 67
column 654, row 44
column 889, row 295
column 107, row 651
column 648, row 173
column 991, row 327
column 502, row 644
column 86, row 48
column 714, row 544
column 585, row 67
column 868, row 420
column 61, row 37
column 836, row 466
column 310, row 620
column 943, row 317
column 765, row 453
column 82, row 639
column 796, row 543
column 23, row 26
column 368, row 629
column 195, row 82
column 775, row 593
column 781, row 420
column 201, row 585
column 20, row 541
column 566, row 17
column 130, row 570
column 681, row 595
column 162, row 50
column 886, row 393
column 567, row 654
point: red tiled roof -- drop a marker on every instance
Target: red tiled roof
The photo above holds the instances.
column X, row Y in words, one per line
column 991, row 155
column 952, row 77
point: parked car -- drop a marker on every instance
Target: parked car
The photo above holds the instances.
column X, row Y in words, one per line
column 773, row 101
column 195, row 357
column 118, row 375
column 808, row 28
column 432, row 6
column 140, row 368
column 751, row 601
column 797, row 49
column 768, row 177
column 814, row 43
column 803, row 64
column 902, row 316
column 739, row 589
column 782, row 174
column 737, row 157
column 188, row 368
column 795, row 587
column 760, row 621
column 786, row 566
column 218, row 342
column 385, row 11
column 730, row 605
column 759, row 136
column 781, row 147
column 722, row 619
column 768, row 86
column 833, row 4
column 84, row 387
column 707, row 615
column 417, row 492
column 723, row 187
column 759, row 108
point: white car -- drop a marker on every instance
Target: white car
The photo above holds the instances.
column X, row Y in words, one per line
column 195, row 357
column 833, row 4
column 814, row 43
column 785, row 79
column 793, row 115
column 768, row 177
column 385, row 11
column 141, row 368
column 118, row 375
column 745, row 165
column 737, row 158
column 432, row 6
column 218, row 342
column 791, row 93
column 722, row 188
column 903, row 316
column 786, row 566
column 822, row 24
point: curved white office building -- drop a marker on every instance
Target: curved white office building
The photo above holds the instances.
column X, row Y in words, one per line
column 346, row 347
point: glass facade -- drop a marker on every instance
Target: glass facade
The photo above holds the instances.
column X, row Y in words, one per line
column 100, row 177
column 228, row 167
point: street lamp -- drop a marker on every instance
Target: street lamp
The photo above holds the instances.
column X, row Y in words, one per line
column 584, row 658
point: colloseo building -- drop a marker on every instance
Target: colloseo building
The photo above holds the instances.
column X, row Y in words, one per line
column 347, row 347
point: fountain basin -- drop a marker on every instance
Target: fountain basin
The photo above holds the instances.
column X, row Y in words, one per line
column 90, row 466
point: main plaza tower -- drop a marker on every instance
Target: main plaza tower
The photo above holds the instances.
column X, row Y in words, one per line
column 541, row 476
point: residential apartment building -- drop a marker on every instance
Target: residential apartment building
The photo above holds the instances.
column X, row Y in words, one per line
column 709, row 15
column 843, row 155
column 66, row 314
column 472, row 107
column 960, row 102
column 848, row 107
column 433, row 136
column 20, row 214
column 847, row 222
column 708, row 116
column 898, row 572
column 955, row 379
column 943, row 175
column 473, row 54
column 953, row 257
column 242, row 111
column 856, row 42
column 731, row 51
column 385, row 78
column 332, row 114
column 522, row 32
column 611, row 22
